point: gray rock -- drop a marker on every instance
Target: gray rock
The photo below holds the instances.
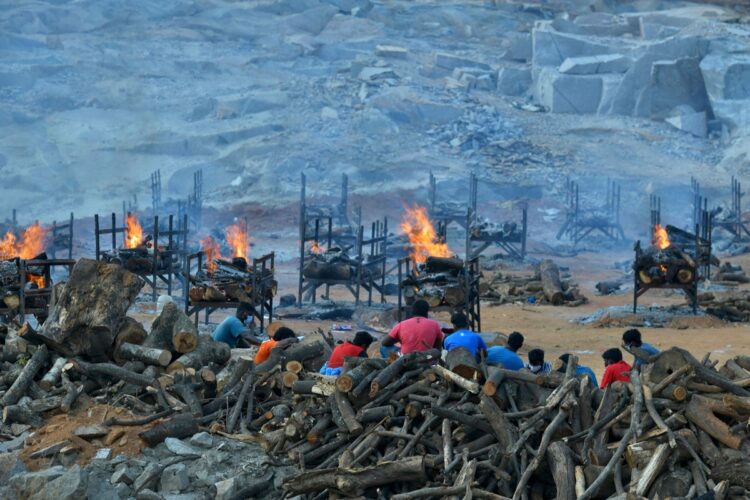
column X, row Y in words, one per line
column 98, row 484
column 590, row 65
column 513, row 81
column 148, row 494
column 32, row 483
column 369, row 74
column 123, row 474
column 202, row 439
column 484, row 82
column 51, row 484
column 178, row 447
column 551, row 48
column 519, row 48
column 225, row 489
column 673, row 83
column 391, row 51
column 404, row 106
column 148, row 478
column 693, row 123
column 450, row 61
column 727, row 80
column 91, row 431
column 174, row 478
column 123, row 490
column 10, row 465
column 569, row 93
column 186, row 496
column 312, row 20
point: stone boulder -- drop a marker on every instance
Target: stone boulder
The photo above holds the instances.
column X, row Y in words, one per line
column 590, row 65
column 727, row 79
column 552, row 47
column 513, row 81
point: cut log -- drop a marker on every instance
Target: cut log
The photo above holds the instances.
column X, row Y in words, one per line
column 495, row 378
column 294, row 367
column 132, row 332
column 463, row 363
column 208, row 378
column 21, row 415
column 701, row 411
column 213, row 294
column 161, row 332
column 460, row 381
column 184, row 386
column 443, row 264
column 92, row 307
column 454, row 296
column 233, row 372
column 289, row 378
column 148, row 355
column 208, row 351
column 317, row 387
column 652, row 470
column 349, row 380
column 353, row 482
column 179, row 426
column 550, row 276
column 736, row 472
column 52, row 377
column 560, row 462
column 26, row 377
column 347, row 413
column 184, row 334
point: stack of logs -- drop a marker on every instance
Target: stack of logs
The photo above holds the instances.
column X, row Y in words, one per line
column 335, row 264
column 10, row 283
column 227, row 281
column 733, row 306
column 486, row 229
column 668, row 266
column 544, row 286
column 439, row 281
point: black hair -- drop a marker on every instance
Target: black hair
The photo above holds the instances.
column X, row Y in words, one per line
column 459, row 320
column 564, row 358
column 362, row 339
column 632, row 336
column 614, row 355
column 284, row 333
column 536, row 357
column 420, row 308
column 515, row 341
column 245, row 307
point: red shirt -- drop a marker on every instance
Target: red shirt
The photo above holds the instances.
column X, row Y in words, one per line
column 616, row 372
column 341, row 351
column 417, row 334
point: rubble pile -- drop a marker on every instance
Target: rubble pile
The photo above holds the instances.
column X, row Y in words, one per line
column 544, row 286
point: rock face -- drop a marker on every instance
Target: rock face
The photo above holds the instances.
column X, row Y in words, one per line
column 92, row 307
column 727, row 78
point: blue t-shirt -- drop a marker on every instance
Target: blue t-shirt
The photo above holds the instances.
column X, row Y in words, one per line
column 653, row 351
column 228, row 331
column 467, row 339
column 585, row 370
column 504, row 356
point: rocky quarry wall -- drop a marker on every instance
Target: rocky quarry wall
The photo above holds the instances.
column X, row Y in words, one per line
column 683, row 66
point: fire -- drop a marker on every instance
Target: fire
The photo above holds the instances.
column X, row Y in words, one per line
column 422, row 235
column 316, row 247
column 660, row 238
column 29, row 246
column 238, row 239
column 211, row 251
column 133, row 232
column 36, row 279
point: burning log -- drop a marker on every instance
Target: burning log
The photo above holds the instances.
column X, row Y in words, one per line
column 92, row 307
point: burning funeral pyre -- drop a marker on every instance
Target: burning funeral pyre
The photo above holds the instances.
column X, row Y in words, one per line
column 14, row 274
column 231, row 278
column 434, row 273
column 139, row 252
column 664, row 263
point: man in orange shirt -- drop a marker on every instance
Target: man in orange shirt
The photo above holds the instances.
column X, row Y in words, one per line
column 616, row 370
column 282, row 338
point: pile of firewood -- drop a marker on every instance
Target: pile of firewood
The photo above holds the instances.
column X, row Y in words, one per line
column 230, row 281
column 10, row 283
column 544, row 286
column 671, row 265
column 439, row 281
column 335, row 264
column 487, row 229
column 733, row 306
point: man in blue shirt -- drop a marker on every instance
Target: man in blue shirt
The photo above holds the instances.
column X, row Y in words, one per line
column 631, row 339
column 463, row 337
column 236, row 327
column 580, row 370
column 506, row 356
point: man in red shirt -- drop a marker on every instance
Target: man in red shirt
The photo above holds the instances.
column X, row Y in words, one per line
column 616, row 369
column 357, row 347
column 417, row 333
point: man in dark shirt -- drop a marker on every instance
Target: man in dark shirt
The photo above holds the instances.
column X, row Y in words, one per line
column 632, row 339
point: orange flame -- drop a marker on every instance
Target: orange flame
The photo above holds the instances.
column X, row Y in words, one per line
column 660, row 238
column 211, row 251
column 422, row 235
column 238, row 239
column 35, row 278
column 133, row 232
column 29, row 246
column 316, row 248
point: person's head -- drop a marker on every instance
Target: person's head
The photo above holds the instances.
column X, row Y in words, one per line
column 536, row 357
column 363, row 339
column 459, row 321
column 420, row 308
column 632, row 338
column 612, row 356
column 564, row 358
column 284, row 333
column 244, row 311
column 515, row 341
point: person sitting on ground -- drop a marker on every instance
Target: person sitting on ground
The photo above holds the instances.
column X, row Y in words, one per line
column 580, row 369
column 536, row 364
column 631, row 339
column 357, row 347
column 282, row 338
column 416, row 334
column 462, row 336
column 506, row 356
column 237, row 327
column 616, row 370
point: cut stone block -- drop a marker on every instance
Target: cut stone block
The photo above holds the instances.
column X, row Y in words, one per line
column 513, row 81
column 590, row 65
column 551, row 48
column 693, row 123
column 673, row 83
column 391, row 51
column 569, row 93
column 450, row 61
